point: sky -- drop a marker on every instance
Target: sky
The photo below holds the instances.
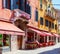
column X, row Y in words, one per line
column 56, row 2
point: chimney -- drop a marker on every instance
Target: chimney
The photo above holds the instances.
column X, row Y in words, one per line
column 1, row 4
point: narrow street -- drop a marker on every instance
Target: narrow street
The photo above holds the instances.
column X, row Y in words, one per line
column 29, row 27
column 45, row 50
column 55, row 51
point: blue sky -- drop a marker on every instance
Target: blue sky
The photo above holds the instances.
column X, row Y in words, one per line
column 56, row 2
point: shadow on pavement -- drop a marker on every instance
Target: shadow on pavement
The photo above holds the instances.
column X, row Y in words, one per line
column 55, row 51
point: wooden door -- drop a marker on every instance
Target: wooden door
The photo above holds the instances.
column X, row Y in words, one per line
column 20, row 38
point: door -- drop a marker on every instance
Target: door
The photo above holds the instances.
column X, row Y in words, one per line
column 20, row 38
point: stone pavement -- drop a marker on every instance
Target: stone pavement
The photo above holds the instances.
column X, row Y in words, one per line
column 35, row 51
column 55, row 51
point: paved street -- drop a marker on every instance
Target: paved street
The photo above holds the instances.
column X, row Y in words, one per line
column 55, row 51
column 44, row 50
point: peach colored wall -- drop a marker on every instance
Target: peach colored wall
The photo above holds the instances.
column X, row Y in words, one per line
column 34, row 5
column 0, row 4
column 5, row 14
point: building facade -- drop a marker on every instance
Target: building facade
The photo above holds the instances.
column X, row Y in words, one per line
column 37, row 18
column 10, row 34
column 47, row 16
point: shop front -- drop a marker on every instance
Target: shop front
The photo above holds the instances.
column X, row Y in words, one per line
column 38, row 38
column 9, row 35
column 5, row 42
column 56, row 37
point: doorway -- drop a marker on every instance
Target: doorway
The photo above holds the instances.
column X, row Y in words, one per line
column 20, row 39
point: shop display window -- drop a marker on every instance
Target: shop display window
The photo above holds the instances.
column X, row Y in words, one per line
column 6, row 41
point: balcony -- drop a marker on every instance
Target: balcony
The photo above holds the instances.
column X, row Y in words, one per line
column 49, row 14
column 21, row 13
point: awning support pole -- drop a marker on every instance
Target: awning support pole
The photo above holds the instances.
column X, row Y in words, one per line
column 51, row 38
column 34, row 36
column 56, row 39
column 23, row 42
column 26, row 34
column 47, row 38
column 37, row 36
column 44, row 39
column 59, row 39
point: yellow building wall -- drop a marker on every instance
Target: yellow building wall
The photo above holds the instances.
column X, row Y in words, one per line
column 41, row 14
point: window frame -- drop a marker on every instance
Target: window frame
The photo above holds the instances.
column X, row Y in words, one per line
column 52, row 25
column 36, row 15
column 41, row 21
column 46, row 23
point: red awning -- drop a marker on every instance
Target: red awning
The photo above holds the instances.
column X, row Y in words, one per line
column 56, row 35
column 48, row 34
column 9, row 28
column 37, row 31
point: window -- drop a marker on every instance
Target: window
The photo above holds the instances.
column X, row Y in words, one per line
column 4, row 40
column 49, row 6
column 28, row 8
column 49, row 38
column 30, row 37
column 49, row 0
column 49, row 24
column 16, row 4
column 41, row 20
column 46, row 8
column 11, row 4
column 41, row 39
column 46, row 23
column 22, row 5
column 7, row 3
column 36, row 15
column 40, row 3
column 53, row 25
